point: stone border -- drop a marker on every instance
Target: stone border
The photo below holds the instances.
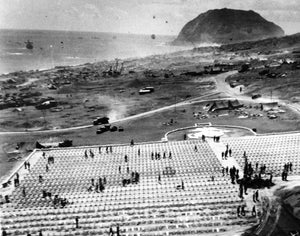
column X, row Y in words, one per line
column 208, row 124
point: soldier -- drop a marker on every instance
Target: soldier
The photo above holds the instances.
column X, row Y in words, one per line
column 226, row 154
column 223, row 154
column 77, row 222
column 253, row 211
column 256, row 196
column 290, row 166
column 241, row 191
column 126, row 158
column 196, row 149
column 120, row 169
column 230, row 152
column 47, row 168
column 238, row 211
column 118, row 230
column 24, row 192
column 99, row 149
column 40, row 178
column 131, row 142
column 243, row 213
column 245, row 188
column 111, row 232
column 170, row 154
column 139, row 152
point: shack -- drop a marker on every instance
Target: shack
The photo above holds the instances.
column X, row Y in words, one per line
column 270, row 106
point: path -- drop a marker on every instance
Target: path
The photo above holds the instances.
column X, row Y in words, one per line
column 218, row 148
column 224, row 87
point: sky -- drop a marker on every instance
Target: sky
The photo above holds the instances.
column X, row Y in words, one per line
column 134, row 16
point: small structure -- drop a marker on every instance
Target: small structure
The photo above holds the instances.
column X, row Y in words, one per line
column 46, row 105
column 234, row 104
column 271, row 106
column 146, row 90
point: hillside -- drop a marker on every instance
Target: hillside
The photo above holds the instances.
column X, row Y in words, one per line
column 227, row 26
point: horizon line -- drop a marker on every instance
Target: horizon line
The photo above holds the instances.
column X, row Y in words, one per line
column 86, row 31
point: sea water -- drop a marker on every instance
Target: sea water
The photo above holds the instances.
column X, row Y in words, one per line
column 61, row 48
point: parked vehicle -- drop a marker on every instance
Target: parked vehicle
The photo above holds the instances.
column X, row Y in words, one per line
column 101, row 120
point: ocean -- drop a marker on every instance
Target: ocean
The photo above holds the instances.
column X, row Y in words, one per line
column 62, row 48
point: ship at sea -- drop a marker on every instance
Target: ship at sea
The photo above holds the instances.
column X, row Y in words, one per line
column 29, row 44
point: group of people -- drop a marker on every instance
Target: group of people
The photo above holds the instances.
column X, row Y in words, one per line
column 226, row 153
column 180, row 186
column 286, row 169
column 112, row 232
column 108, row 149
column 158, row 156
column 99, row 186
column 216, row 139
column 88, row 153
column 242, row 212
column 59, row 202
column 134, row 179
column 27, row 165
column 234, row 174
column 17, row 180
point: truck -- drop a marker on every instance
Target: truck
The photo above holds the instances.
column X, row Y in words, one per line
column 101, row 120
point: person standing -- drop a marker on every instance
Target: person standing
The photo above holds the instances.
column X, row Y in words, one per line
column 256, row 196
column 77, row 222
column 253, row 211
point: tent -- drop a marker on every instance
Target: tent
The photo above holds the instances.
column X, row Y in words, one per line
column 271, row 106
column 218, row 106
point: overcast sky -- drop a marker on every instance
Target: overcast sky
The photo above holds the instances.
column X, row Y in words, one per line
column 134, row 16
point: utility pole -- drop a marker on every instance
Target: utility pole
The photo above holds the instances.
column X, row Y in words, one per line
column 271, row 95
column 175, row 104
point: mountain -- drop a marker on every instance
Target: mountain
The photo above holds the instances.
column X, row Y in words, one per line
column 225, row 26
